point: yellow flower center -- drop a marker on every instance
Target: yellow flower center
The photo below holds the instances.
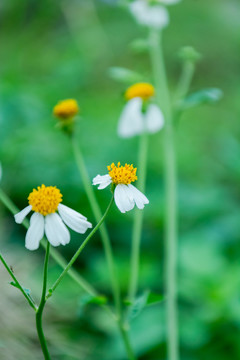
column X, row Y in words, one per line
column 142, row 90
column 45, row 199
column 122, row 174
column 66, row 109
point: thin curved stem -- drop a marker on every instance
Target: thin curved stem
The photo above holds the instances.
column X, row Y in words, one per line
column 17, row 284
column 163, row 99
column 41, row 307
column 98, row 215
column 138, row 218
column 185, row 80
column 54, row 253
column 78, row 252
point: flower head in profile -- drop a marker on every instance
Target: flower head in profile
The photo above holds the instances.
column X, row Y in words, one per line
column 150, row 14
column 139, row 114
column 126, row 195
column 45, row 201
column 66, row 109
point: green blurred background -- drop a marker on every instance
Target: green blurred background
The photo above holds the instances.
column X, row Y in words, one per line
column 51, row 50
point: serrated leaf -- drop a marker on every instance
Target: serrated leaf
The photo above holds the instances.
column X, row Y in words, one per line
column 124, row 75
column 206, row 96
column 146, row 299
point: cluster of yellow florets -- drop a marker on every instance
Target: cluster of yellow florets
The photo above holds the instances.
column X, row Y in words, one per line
column 66, row 109
column 122, row 174
column 142, row 90
column 45, row 199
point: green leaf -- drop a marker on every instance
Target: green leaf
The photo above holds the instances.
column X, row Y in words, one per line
column 90, row 299
column 146, row 299
column 206, row 96
column 154, row 299
column 124, row 75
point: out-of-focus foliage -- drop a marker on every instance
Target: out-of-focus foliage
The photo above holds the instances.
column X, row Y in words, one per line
column 51, row 50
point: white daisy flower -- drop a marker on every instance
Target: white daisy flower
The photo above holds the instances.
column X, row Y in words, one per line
column 126, row 195
column 45, row 201
column 133, row 120
column 151, row 15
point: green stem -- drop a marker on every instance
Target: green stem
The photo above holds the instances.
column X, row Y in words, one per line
column 17, row 284
column 81, row 247
column 163, row 99
column 54, row 253
column 183, row 87
column 98, row 215
column 41, row 307
column 185, row 80
column 138, row 218
column 126, row 341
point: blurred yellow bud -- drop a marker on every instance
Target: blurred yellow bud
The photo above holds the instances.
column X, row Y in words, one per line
column 66, row 109
column 141, row 90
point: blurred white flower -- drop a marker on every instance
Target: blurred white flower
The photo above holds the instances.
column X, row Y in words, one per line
column 151, row 15
column 133, row 121
column 168, row 2
column 126, row 195
column 45, row 201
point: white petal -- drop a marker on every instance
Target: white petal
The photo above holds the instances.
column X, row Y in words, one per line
column 35, row 232
column 74, row 219
column 149, row 15
column 56, row 232
column 139, row 198
column 102, row 180
column 123, row 198
column 19, row 217
column 154, row 119
column 131, row 119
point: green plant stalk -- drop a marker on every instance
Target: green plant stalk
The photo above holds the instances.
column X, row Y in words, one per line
column 30, row 301
column 163, row 99
column 54, row 253
column 41, row 307
column 126, row 341
column 78, row 252
column 98, row 215
column 119, row 319
column 185, row 80
column 183, row 87
column 138, row 218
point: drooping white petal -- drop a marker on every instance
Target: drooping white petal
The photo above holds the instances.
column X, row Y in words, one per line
column 102, row 180
column 149, row 15
column 154, row 119
column 123, row 199
column 19, row 217
column 35, row 232
column 74, row 219
column 56, row 232
column 131, row 119
column 139, row 198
